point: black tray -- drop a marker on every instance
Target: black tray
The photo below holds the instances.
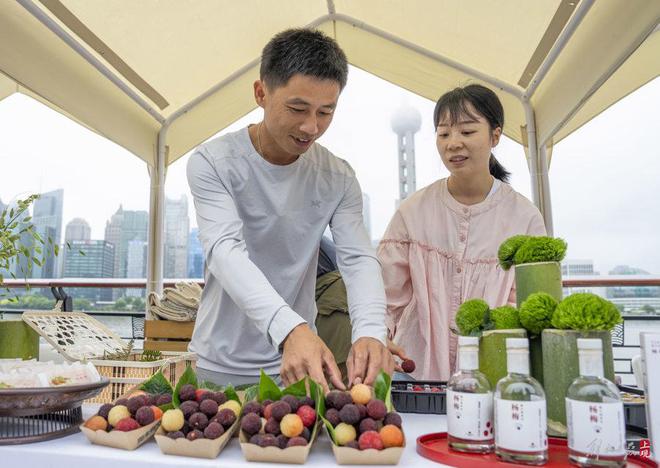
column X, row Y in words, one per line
column 419, row 396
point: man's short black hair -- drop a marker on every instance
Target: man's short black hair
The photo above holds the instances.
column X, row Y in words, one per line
column 305, row 51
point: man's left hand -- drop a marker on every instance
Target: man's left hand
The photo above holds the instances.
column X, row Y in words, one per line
column 365, row 360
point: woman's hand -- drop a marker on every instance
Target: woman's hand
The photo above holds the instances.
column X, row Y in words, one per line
column 398, row 351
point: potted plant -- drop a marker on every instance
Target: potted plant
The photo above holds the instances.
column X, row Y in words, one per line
column 475, row 318
column 536, row 261
column 17, row 340
column 559, row 325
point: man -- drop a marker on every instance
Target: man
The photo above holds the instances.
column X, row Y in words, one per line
column 263, row 196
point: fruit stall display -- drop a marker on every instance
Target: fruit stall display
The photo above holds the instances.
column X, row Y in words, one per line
column 130, row 421
column 280, row 425
column 202, row 420
column 362, row 424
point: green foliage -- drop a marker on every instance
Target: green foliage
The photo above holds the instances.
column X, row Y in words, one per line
column 150, row 355
column 521, row 249
column 471, row 317
column 157, row 384
column 15, row 226
column 541, row 249
column 586, row 311
column 268, row 389
column 505, row 318
column 121, row 354
column 508, row 250
column 537, row 311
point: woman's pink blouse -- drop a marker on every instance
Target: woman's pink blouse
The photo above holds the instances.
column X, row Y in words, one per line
column 438, row 253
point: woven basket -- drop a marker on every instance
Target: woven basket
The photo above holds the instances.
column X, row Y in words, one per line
column 79, row 337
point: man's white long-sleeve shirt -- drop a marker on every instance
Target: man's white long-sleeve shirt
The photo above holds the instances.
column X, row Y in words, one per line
column 260, row 226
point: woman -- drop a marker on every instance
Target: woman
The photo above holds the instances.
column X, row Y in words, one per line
column 440, row 247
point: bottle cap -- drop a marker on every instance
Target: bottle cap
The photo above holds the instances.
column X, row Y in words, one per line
column 590, row 344
column 517, row 343
column 468, row 341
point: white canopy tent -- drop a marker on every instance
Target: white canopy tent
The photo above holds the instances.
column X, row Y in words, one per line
column 160, row 76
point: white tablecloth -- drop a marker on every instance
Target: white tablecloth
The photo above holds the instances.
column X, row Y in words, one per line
column 75, row 451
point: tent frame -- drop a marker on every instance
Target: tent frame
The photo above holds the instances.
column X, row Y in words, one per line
column 537, row 151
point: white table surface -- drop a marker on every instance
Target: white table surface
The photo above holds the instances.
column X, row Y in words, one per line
column 76, row 451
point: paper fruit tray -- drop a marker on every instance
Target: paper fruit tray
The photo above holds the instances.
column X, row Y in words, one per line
column 80, row 337
column 202, row 447
column 267, row 389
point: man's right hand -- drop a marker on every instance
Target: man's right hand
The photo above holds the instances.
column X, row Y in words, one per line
column 304, row 353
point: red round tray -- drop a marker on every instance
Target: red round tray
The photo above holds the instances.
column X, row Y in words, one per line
column 434, row 447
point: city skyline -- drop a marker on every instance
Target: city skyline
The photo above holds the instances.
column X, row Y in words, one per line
column 602, row 178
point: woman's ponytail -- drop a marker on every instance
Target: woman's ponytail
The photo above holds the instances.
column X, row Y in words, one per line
column 497, row 170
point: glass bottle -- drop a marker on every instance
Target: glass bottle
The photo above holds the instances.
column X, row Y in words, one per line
column 594, row 412
column 469, row 402
column 520, row 411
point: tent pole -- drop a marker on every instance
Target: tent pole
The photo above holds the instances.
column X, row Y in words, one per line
column 156, row 218
column 544, row 181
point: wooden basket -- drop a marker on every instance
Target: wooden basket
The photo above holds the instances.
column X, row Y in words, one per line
column 79, row 337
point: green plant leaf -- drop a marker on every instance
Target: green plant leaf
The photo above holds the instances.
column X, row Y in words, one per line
column 298, row 389
column 188, row 377
column 251, row 392
column 157, row 384
column 268, row 389
column 230, row 391
column 383, row 389
column 316, row 392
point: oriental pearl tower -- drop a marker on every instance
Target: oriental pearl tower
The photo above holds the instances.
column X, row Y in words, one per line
column 406, row 121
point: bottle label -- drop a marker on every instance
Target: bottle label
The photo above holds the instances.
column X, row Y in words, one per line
column 520, row 425
column 596, row 428
column 470, row 415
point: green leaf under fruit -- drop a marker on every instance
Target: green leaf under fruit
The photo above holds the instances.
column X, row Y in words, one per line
column 383, row 389
column 157, row 384
column 188, row 377
column 251, row 392
column 298, row 389
column 268, row 389
column 231, row 393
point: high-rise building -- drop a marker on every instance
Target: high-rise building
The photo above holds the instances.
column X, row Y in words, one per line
column 47, row 221
column 406, row 121
column 89, row 259
column 195, row 255
column 136, row 261
column 177, row 225
column 136, row 264
column 77, row 229
column 125, row 226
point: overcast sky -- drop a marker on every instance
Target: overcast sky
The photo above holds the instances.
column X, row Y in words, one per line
column 604, row 178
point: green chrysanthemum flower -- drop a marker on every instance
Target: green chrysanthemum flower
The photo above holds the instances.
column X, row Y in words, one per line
column 540, row 249
column 536, row 312
column 471, row 315
column 508, row 250
column 586, row 311
column 505, row 318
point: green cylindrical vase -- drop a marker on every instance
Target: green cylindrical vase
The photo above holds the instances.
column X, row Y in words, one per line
column 492, row 352
column 561, row 368
column 538, row 277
